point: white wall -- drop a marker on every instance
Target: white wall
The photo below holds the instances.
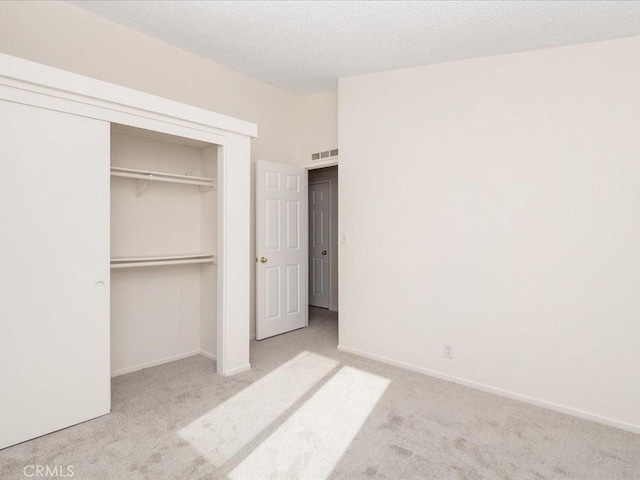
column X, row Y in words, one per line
column 317, row 125
column 493, row 204
column 330, row 174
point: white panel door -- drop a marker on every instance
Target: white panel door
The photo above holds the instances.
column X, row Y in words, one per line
column 281, row 249
column 319, row 244
column 54, row 271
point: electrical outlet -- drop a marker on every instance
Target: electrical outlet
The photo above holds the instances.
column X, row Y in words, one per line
column 448, row 351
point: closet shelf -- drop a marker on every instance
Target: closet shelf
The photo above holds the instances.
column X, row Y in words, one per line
column 159, row 260
column 146, row 176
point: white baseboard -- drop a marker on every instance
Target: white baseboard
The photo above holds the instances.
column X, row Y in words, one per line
column 240, row 369
column 154, row 363
column 497, row 391
column 210, row 355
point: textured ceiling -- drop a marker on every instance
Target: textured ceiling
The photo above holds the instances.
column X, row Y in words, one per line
column 305, row 46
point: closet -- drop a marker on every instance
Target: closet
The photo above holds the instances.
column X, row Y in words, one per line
column 125, row 232
column 163, row 248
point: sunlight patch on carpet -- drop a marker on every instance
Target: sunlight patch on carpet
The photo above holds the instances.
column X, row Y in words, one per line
column 310, row 443
column 225, row 430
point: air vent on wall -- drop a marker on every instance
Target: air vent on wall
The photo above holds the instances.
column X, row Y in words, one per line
column 325, row 154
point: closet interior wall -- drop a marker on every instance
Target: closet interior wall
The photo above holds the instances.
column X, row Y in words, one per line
column 161, row 313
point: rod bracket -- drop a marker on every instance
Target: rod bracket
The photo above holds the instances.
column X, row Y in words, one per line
column 142, row 185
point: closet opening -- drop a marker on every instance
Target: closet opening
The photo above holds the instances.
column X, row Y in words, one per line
column 163, row 248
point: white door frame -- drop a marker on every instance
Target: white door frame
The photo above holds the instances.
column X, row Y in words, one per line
column 330, row 162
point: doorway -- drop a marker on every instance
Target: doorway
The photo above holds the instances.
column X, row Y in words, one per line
column 323, row 238
column 284, row 253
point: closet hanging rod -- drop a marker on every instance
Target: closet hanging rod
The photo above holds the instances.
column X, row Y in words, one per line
column 162, row 177
column 159, row 260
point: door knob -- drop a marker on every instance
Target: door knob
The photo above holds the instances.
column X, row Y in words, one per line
column 324, row 252
column 263, row 260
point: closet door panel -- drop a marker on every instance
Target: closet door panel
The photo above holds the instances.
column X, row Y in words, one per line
column 54, row 271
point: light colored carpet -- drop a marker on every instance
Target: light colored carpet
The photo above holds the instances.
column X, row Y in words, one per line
column 307, row 410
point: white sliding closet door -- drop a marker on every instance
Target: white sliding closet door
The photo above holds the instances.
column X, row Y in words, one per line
column 54, row 271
